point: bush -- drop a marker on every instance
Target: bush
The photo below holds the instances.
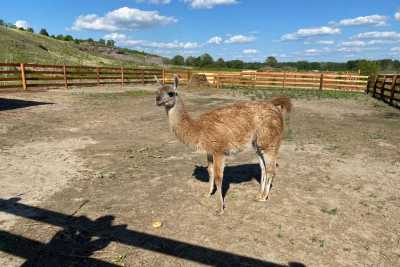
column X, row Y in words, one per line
column 44, row 32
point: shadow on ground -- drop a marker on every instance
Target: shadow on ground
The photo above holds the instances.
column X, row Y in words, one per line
column 80, row 237
column 8, row 104
column 232, row 175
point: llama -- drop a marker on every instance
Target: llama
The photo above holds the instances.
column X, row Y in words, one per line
column 229, row 130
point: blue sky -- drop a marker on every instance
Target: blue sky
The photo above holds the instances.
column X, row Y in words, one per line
column 249, row 30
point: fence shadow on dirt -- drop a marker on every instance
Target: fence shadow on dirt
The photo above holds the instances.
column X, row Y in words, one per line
column 81, row 237
column 232, row 175
column 8, row 103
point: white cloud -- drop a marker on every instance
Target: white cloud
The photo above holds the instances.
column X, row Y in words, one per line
column 326, row 42
column 124, row 18
column 240, row 39
column 312, row 51
column 376, row 20
column 157, row 2
column 378, row 35
column 349, row 49
column 207, row 4
column 395, row 49
column 356, row 43
column 22, row 24
column 250, row 51
column 310, row 32
column 215, row 40
column 124, row 40
column 397, row 15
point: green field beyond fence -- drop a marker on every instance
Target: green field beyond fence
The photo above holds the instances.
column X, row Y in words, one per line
column 31, row 76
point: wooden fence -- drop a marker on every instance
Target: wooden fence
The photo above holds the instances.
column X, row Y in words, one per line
column 30, row 76
column 386, row 87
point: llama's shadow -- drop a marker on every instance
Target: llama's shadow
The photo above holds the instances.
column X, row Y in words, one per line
column 232, row 175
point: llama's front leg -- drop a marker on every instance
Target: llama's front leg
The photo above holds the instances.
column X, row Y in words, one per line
column 210, row 169
column 219, row 175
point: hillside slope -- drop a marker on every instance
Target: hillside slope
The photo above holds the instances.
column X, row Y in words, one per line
column 25, row 47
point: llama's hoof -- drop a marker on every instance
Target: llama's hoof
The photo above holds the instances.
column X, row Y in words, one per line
column 219, row 212
column 261, row 198
column 208, row 195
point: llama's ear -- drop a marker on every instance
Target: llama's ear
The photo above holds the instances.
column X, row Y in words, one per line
column 157, row 80
column 176, row 82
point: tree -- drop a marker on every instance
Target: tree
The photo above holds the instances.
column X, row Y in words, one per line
column 370, row 68
column 2, row 22
column 235, row 64
column 271, row 62
column 60, row 37
column 44, row 32
column 30, row 30
column 206, row 60
column 110, row 43
column 178, row 60
column 190, row 61
column 220, row 63
column 102, row 41
column 68, row 38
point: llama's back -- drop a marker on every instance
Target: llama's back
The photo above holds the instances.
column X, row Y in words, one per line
column 232, row 128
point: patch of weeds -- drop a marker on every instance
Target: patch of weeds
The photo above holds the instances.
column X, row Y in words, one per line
column 321, row 242
column 279, row 235
column 376, row 136
column 265, row 93
column 330, row 211
column 115, row 95
column 288, row 135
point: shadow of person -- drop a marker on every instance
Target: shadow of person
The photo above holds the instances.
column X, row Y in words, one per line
column 8, row 104
column 232, row 175
column 73, row 245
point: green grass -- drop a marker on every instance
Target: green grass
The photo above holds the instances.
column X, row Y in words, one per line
column 25, row 47
column 115, row 95
column 295, row 93
column 330, row 211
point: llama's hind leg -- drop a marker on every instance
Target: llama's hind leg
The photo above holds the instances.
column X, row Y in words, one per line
column 263, row 178
column 210, row 169
column 219, row 163
column 271, row 170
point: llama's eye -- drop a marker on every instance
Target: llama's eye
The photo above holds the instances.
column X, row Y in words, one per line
column 170, row 94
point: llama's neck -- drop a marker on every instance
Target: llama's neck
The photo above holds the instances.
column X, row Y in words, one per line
column 181, row 124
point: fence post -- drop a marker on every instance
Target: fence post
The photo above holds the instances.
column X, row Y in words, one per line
column 189, row 76
column 284, row 80
column 375, row 86
column 392, row 88
column 98, row 76
column 143, row 76
column 23, row 77
column 163, row 75
column 321, row 83
column 383, row 88
column 65, row 76
column 122, row 76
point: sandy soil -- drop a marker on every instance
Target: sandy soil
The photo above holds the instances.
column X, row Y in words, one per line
column 85, row 173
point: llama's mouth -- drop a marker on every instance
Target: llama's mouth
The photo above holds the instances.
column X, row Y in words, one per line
column 160, row 103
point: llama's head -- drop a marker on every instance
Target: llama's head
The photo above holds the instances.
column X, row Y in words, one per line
column 166, row 95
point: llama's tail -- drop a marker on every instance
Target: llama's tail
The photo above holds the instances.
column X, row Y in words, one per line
column 282, row 101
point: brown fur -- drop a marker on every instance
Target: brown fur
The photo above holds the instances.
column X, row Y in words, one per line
column 228, row 130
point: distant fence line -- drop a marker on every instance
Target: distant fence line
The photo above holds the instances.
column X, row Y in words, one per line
column 30, row 76
column 386, row 87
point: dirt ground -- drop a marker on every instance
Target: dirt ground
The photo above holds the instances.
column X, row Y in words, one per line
column 85, row 173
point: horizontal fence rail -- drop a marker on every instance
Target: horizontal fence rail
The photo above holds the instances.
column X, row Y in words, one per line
column 386, row 87
column 30, row 76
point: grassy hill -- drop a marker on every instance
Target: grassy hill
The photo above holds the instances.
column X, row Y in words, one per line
column 25, row 47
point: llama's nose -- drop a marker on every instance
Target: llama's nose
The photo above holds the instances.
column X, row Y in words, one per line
column 158, row 100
